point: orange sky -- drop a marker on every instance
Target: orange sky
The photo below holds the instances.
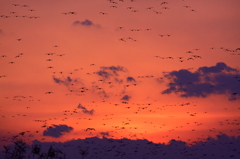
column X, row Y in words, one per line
column 135, row 62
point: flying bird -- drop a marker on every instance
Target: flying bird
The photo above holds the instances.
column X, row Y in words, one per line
column 103, row 13
column 164, row 3
column 88, row 129
column 49, row 93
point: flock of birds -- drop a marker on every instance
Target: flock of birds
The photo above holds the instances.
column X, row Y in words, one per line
column 164, row 6
column 103, row 88
column 14, row 14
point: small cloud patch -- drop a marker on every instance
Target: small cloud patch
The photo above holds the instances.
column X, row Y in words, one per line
column 57, row 130
column 85, row 23
column 84, row 110
column 126, row 98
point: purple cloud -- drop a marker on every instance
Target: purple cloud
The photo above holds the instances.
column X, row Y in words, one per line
column 218, row 79
column 85, row 23
column 57, row 130
column 84, row 110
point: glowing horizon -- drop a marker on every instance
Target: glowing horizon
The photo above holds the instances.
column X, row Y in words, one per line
column 168, row 70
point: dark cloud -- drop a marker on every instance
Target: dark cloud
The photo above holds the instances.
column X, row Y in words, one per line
column 114, row 68
column 57, row 80
column 130, row 79
column 126, row 97
column 104, row 134
column 84, row 110
column 103, row 94
column 222, row 146
column 66, row 81
column 216, row 69
column 113, row 77
column 108, row 71
column 118, row 80
column 219, row 79
column 103, row 74
column 57, row 130
column 85, row 23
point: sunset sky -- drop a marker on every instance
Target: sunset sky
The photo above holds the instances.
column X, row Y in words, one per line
column 136, row 69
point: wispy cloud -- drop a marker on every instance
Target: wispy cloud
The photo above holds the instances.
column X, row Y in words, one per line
column 104, row 134
column 85, row 23
column 110, row 71
column 103, row 74
column 65, row 80
column 84, row 110
column 114, row 69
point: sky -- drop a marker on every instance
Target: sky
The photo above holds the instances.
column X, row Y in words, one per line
column 134, row 69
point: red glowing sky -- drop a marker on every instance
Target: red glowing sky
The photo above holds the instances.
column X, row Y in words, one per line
column 84, row 56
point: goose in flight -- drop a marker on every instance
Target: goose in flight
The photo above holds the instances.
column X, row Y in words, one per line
column 60, row 55
column 157, row 12
column 72, row 12
column 50, row 53
column 120, row 27
column 103, row 13
column 164, row 3
column 24, row 5
column 114, row 2
column 196, row 56
column 134, row 11
column 122, row 39
column 149, row 8
column 90, row 129
column 48, row 92
column 113, row 6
